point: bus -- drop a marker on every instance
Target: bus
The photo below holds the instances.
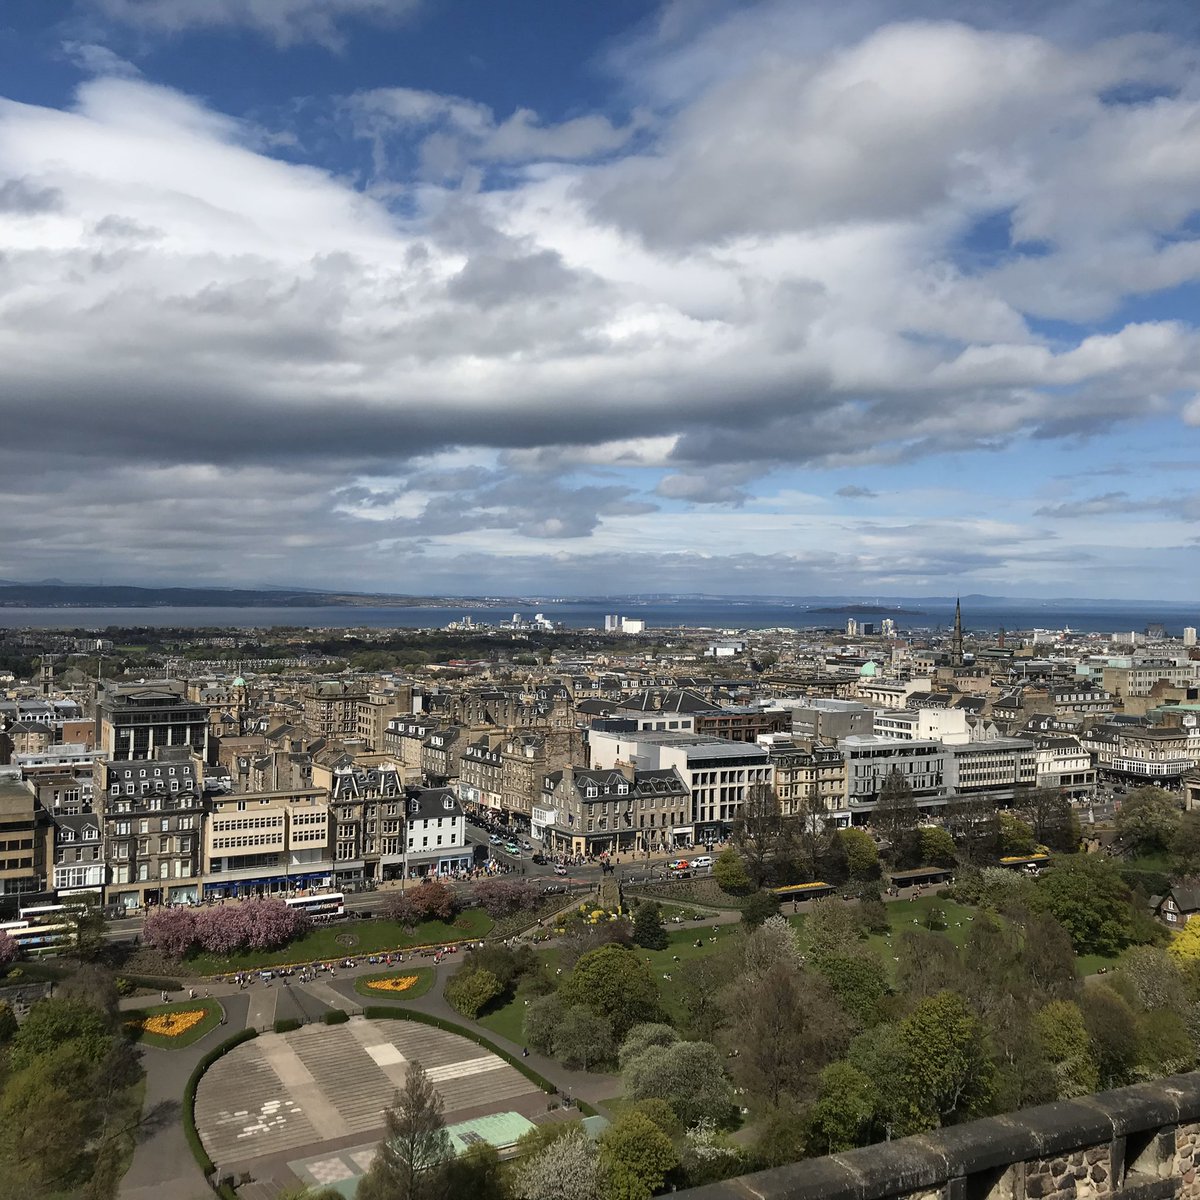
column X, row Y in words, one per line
column 39, row 938
column 40, row 913
column 327, row 906
column 803, row 891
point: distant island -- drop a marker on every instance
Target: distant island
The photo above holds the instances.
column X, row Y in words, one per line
column 66, row 595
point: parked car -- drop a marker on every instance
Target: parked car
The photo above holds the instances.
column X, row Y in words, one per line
column 512, row 848
column 554, row 889
column 560, row 870
column 495, row 839
column 526, row 846
column 540, row 859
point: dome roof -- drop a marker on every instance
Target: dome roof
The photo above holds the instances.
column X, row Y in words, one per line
column 239, row 682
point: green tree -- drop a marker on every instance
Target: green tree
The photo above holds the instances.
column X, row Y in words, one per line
column 759, row 907
column 896, row 810
column 862, row 857
column 1064, row 1037
column 648, row 931
column 859, row 982
column 730, row 873
column 1089, row 899
column 1185, row 844
column 635, row 1156
column 1164, row 1046
column 408, row 1164
column 947, row 1072
column 1148, row 820
column 1015, row 836
column 542, row 1019
column 780, row 1137
column 699, row 982
column 56, row 1023
column 844, row 1110
column 1112, row 1028
column 832, row 926
column 91, row 934
column 471, row 991
column 583, row 1039
column 937, row 847
column 8, row 1022
column 640, row 1038
column 615, row 983
column 478, row 1174
column 689, row 1076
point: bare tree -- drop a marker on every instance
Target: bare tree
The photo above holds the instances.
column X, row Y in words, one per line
column 810, row 834
column 758, row 832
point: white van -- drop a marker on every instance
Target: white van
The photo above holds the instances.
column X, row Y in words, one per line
column 705, row 860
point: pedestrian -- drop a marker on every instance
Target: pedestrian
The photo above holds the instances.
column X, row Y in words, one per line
column 525, row 1052
column 164, row 995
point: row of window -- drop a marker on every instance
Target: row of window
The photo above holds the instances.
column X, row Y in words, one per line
column 17, row 844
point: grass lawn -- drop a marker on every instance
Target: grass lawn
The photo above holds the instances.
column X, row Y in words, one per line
column 212, row 1018
column 682, row 947
column 1090, row 964
column 507, row 1021
column 424, row 981
column 330, row 942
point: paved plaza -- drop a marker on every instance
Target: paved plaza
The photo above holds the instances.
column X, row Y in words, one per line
column 286, row 1094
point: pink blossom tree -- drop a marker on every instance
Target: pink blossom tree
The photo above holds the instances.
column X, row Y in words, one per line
column 8, row 949
column 171, row 930
column 503, row 897
column 222, row 930
column 435, row 901
column 270, row 924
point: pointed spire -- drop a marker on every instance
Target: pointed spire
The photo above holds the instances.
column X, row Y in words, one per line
column 958, row 633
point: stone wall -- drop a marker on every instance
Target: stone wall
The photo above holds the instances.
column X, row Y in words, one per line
column 1135, row 1143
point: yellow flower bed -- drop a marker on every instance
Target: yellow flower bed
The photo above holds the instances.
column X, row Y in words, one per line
column 400, row 983
column 170, row 1025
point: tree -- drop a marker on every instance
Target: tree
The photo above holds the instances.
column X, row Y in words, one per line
column 780, row 1137
column 470, row 991
column 862, row 857
column 1112, row 1028
column 635, row 1157
column 478, row 1174
column 648, row 931
column 1060, row 1027
column 730, row 873
column 1091, row 901
column 832, row 926
column 1049, row 958
column 92, row 985
column 1185, row 945
column 947, row 1072
column 758, row 830
column 937, row 847
column 1147, row 820
column 8, row 1022
column 542, row 1019
column 784, row 1028
column 1015, row 836
column 759, row 907
column 583, row 1038
column 1185, row 844
column 689, row 1076
column 845, row 1107
column 809, row 832
column 71, row 1024
column 699, row 982
column 171, row 930
column 1052, row 820
column 974, row 825
column 1163, row 1044
column 773, row 942
column 408, row 1162
column 615, row 983
column 641, row 1037
column 858, row 980
column 8, row 949
column 435, row 900
column 91, row 934
column 873, row 912
column 567, row 1169
column 504, row 897
column 896, row 810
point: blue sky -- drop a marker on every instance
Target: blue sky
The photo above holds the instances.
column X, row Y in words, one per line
column 455, row 297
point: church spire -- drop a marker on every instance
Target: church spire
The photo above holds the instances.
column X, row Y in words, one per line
column 958, row 634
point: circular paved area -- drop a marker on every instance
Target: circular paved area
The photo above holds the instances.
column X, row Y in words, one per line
column 330, row 1083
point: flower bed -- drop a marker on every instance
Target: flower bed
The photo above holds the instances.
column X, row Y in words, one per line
column 173, row 1026
column 398, row 983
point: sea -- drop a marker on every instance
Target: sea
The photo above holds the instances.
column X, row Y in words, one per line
column 715, row 614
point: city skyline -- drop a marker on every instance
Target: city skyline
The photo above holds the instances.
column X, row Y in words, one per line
column 420, row 297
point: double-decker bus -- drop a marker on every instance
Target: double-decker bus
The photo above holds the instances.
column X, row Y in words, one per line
column 40, row 937
column 327, row 906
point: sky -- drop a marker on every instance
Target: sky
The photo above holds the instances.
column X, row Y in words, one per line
column 449, row 297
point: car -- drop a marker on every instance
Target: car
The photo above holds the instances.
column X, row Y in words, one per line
column 526, row 846
column 705, row 860
column 680, row 864
column 554, row 889
column 495, row 839
column 511, row 848
column 266, row 975
column 560, row 870
column 539, row 859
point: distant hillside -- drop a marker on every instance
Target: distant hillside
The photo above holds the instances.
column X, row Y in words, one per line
column 45, row 595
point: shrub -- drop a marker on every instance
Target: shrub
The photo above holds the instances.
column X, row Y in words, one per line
column 286, row 1024
column 470, row 991
column 336, row 1016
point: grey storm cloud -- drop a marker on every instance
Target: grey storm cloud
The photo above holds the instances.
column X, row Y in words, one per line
column 853, row 492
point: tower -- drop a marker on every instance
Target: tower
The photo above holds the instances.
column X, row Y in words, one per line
column 47, row 675
column 957, row 653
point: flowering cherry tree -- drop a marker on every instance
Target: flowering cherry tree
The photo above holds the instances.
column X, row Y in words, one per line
column 8, row 949
column 502, row 897
column 270, row 924
column 171, row 930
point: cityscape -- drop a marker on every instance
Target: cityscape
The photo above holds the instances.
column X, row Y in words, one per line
column 599, row 601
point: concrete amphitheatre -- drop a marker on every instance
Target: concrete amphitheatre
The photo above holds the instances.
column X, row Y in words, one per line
column 307, row 1106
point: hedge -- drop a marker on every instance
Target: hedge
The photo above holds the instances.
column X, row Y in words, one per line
column 152, row 982
column 189, row 1097
column 381, row 1012
column 287, row 1024
column 336, row 1016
